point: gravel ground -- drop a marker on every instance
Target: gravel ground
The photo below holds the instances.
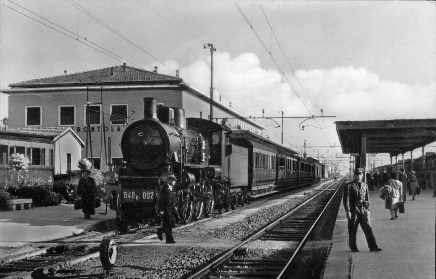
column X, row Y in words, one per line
column 197, row 243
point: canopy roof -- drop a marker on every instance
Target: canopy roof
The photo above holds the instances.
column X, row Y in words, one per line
column 385, row 136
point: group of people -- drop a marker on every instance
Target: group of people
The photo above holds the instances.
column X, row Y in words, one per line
column 356, row 203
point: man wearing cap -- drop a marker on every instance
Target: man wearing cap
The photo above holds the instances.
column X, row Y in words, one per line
column 166, row 208
column 356, row 204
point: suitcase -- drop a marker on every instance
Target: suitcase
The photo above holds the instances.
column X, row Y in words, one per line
column 401, row 207
column 78, row 204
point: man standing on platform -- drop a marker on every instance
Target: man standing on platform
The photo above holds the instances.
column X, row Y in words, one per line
column 403, row 178
column 356, row 204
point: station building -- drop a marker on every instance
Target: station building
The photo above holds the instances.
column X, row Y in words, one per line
column 51, row 151
column 113, row 97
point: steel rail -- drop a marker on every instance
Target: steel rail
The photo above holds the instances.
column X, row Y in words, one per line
column 306, row 237
column 214, row 264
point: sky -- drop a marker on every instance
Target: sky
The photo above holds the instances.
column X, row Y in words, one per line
column 355, row 60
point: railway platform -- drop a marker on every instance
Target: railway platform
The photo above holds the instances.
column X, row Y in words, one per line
column 408, row 243
column 21, row 231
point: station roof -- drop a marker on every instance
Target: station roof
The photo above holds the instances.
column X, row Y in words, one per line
column 386, row 136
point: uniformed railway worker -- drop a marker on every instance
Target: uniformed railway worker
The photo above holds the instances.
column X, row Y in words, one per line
column 166, row 209
column 356, row 204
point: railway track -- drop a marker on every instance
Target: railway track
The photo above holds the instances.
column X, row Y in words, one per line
column 251, row 257
column 57, row 260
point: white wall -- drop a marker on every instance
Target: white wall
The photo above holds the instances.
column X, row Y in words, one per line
column 66, row 144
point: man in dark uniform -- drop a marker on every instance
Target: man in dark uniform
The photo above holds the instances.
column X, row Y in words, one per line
column 356, row 204
column 403, row 178
column 166, row 209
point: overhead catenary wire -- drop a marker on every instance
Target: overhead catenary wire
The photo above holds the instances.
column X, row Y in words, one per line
column 89, row 14
column 286, row 59
column 70, row 34
column 175, row 25
column 270, row 54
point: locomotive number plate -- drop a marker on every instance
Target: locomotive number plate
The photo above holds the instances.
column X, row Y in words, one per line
column 138, row 195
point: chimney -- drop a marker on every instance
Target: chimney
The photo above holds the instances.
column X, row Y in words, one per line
column 124, row 66
column 177, row 73
column 155, row 70
column 150, row 108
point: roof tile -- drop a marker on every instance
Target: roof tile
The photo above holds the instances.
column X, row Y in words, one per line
column 112, row 75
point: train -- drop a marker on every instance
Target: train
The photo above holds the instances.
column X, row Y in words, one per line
column 216, row 166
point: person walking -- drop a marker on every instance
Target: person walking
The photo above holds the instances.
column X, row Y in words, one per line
column 87, row 189
column 369, row 181
column 378, row 179
column 166, row 209
column 356, row 204
column 403, row 178
column 413, row 184
column 396, row 195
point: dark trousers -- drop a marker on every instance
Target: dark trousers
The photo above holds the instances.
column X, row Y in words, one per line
column 167, row 228
column 353, row 224
column 168, row 231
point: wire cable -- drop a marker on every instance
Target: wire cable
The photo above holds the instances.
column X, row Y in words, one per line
column 89, row 14
column 71, row 35
column 270, row 54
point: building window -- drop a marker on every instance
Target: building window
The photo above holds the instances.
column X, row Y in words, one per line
column 96, row 162
column 94, row 113
column 118, row 114
column 33, row 116
column 51, row 157
column 36, row 156
column 67, row 116
column 3, row 154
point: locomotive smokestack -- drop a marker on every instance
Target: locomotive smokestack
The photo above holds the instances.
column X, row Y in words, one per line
column 179, row 117
column 150, row 108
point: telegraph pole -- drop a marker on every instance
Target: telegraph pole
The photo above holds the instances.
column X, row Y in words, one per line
column 282, row 126
column 212, row 49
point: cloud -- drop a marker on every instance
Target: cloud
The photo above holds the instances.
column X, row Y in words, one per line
column 347, row 92
column 350, row 93
column 358, row 94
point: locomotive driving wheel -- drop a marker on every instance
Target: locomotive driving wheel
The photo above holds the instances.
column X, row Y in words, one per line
column 184, row 207
column 197, row 205
column 208, row 206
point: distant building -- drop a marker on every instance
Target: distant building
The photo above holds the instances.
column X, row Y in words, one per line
column 115, row 98
column 50, row 151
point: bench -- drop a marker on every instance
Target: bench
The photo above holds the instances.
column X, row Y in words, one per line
column 19, row 204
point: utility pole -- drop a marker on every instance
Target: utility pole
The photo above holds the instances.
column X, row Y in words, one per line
column 282, row 126
column 212, row 49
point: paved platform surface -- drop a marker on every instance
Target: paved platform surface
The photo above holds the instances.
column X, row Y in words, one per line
column 408, row 243
column 22, row 230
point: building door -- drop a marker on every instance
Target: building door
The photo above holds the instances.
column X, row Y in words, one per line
column 68, row 162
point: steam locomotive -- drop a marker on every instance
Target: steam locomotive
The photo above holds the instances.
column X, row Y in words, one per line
column 216, row 166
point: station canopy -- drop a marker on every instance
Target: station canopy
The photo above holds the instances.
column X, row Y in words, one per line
column 385, row 136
